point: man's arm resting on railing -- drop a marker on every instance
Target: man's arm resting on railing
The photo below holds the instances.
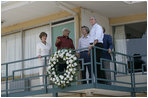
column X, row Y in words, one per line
column 96, row 41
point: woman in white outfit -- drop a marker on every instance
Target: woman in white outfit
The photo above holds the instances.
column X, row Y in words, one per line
column 43, row 48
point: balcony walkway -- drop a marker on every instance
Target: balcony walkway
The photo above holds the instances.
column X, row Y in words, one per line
column 123, row 83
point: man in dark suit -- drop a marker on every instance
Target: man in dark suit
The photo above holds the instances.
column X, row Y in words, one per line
column 107, row 44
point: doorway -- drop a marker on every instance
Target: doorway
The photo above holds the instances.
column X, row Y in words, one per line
column 57, row 31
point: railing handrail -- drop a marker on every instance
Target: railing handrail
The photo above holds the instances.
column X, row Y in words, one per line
column 17, row 61
column 73, row 50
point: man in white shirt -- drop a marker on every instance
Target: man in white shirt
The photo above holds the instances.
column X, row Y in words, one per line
column 84, row 43
column 96, row 39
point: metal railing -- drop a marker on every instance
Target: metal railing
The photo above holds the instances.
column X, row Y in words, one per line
column 127, row 86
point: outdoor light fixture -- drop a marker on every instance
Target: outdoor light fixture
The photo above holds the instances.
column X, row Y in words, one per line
column 62, row 6
column 132, row 2
column 2, row 21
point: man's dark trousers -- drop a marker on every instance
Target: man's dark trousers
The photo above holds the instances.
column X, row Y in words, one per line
column 100, row 73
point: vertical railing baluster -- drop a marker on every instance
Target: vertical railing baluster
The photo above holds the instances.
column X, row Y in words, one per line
column 95, row 65
column 45, row 65
column 115, row 69
column 134, row 94
column 132, row 77
column 7, row 80
column 91, row 54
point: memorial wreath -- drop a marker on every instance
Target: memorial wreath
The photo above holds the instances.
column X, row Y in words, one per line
column 62, row 78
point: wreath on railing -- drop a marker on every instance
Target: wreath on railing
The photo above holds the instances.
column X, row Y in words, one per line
column 67, row 61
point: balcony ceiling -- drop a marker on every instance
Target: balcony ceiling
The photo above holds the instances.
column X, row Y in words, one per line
column 13, row 12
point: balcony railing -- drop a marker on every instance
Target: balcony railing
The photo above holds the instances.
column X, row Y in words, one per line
column 122, row 71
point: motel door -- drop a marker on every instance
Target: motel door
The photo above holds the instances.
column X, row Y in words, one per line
column 57, row 31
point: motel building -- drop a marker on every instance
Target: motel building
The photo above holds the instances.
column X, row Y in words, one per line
column 23, row 21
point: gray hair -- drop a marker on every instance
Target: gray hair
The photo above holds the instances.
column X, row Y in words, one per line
column 93, row 17
column 65, row 29
column 86, row 28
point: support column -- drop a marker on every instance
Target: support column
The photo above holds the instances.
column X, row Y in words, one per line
column 77, row 28
column 22, row 47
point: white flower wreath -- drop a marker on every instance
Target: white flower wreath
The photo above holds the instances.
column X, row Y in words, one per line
column 69, row 75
